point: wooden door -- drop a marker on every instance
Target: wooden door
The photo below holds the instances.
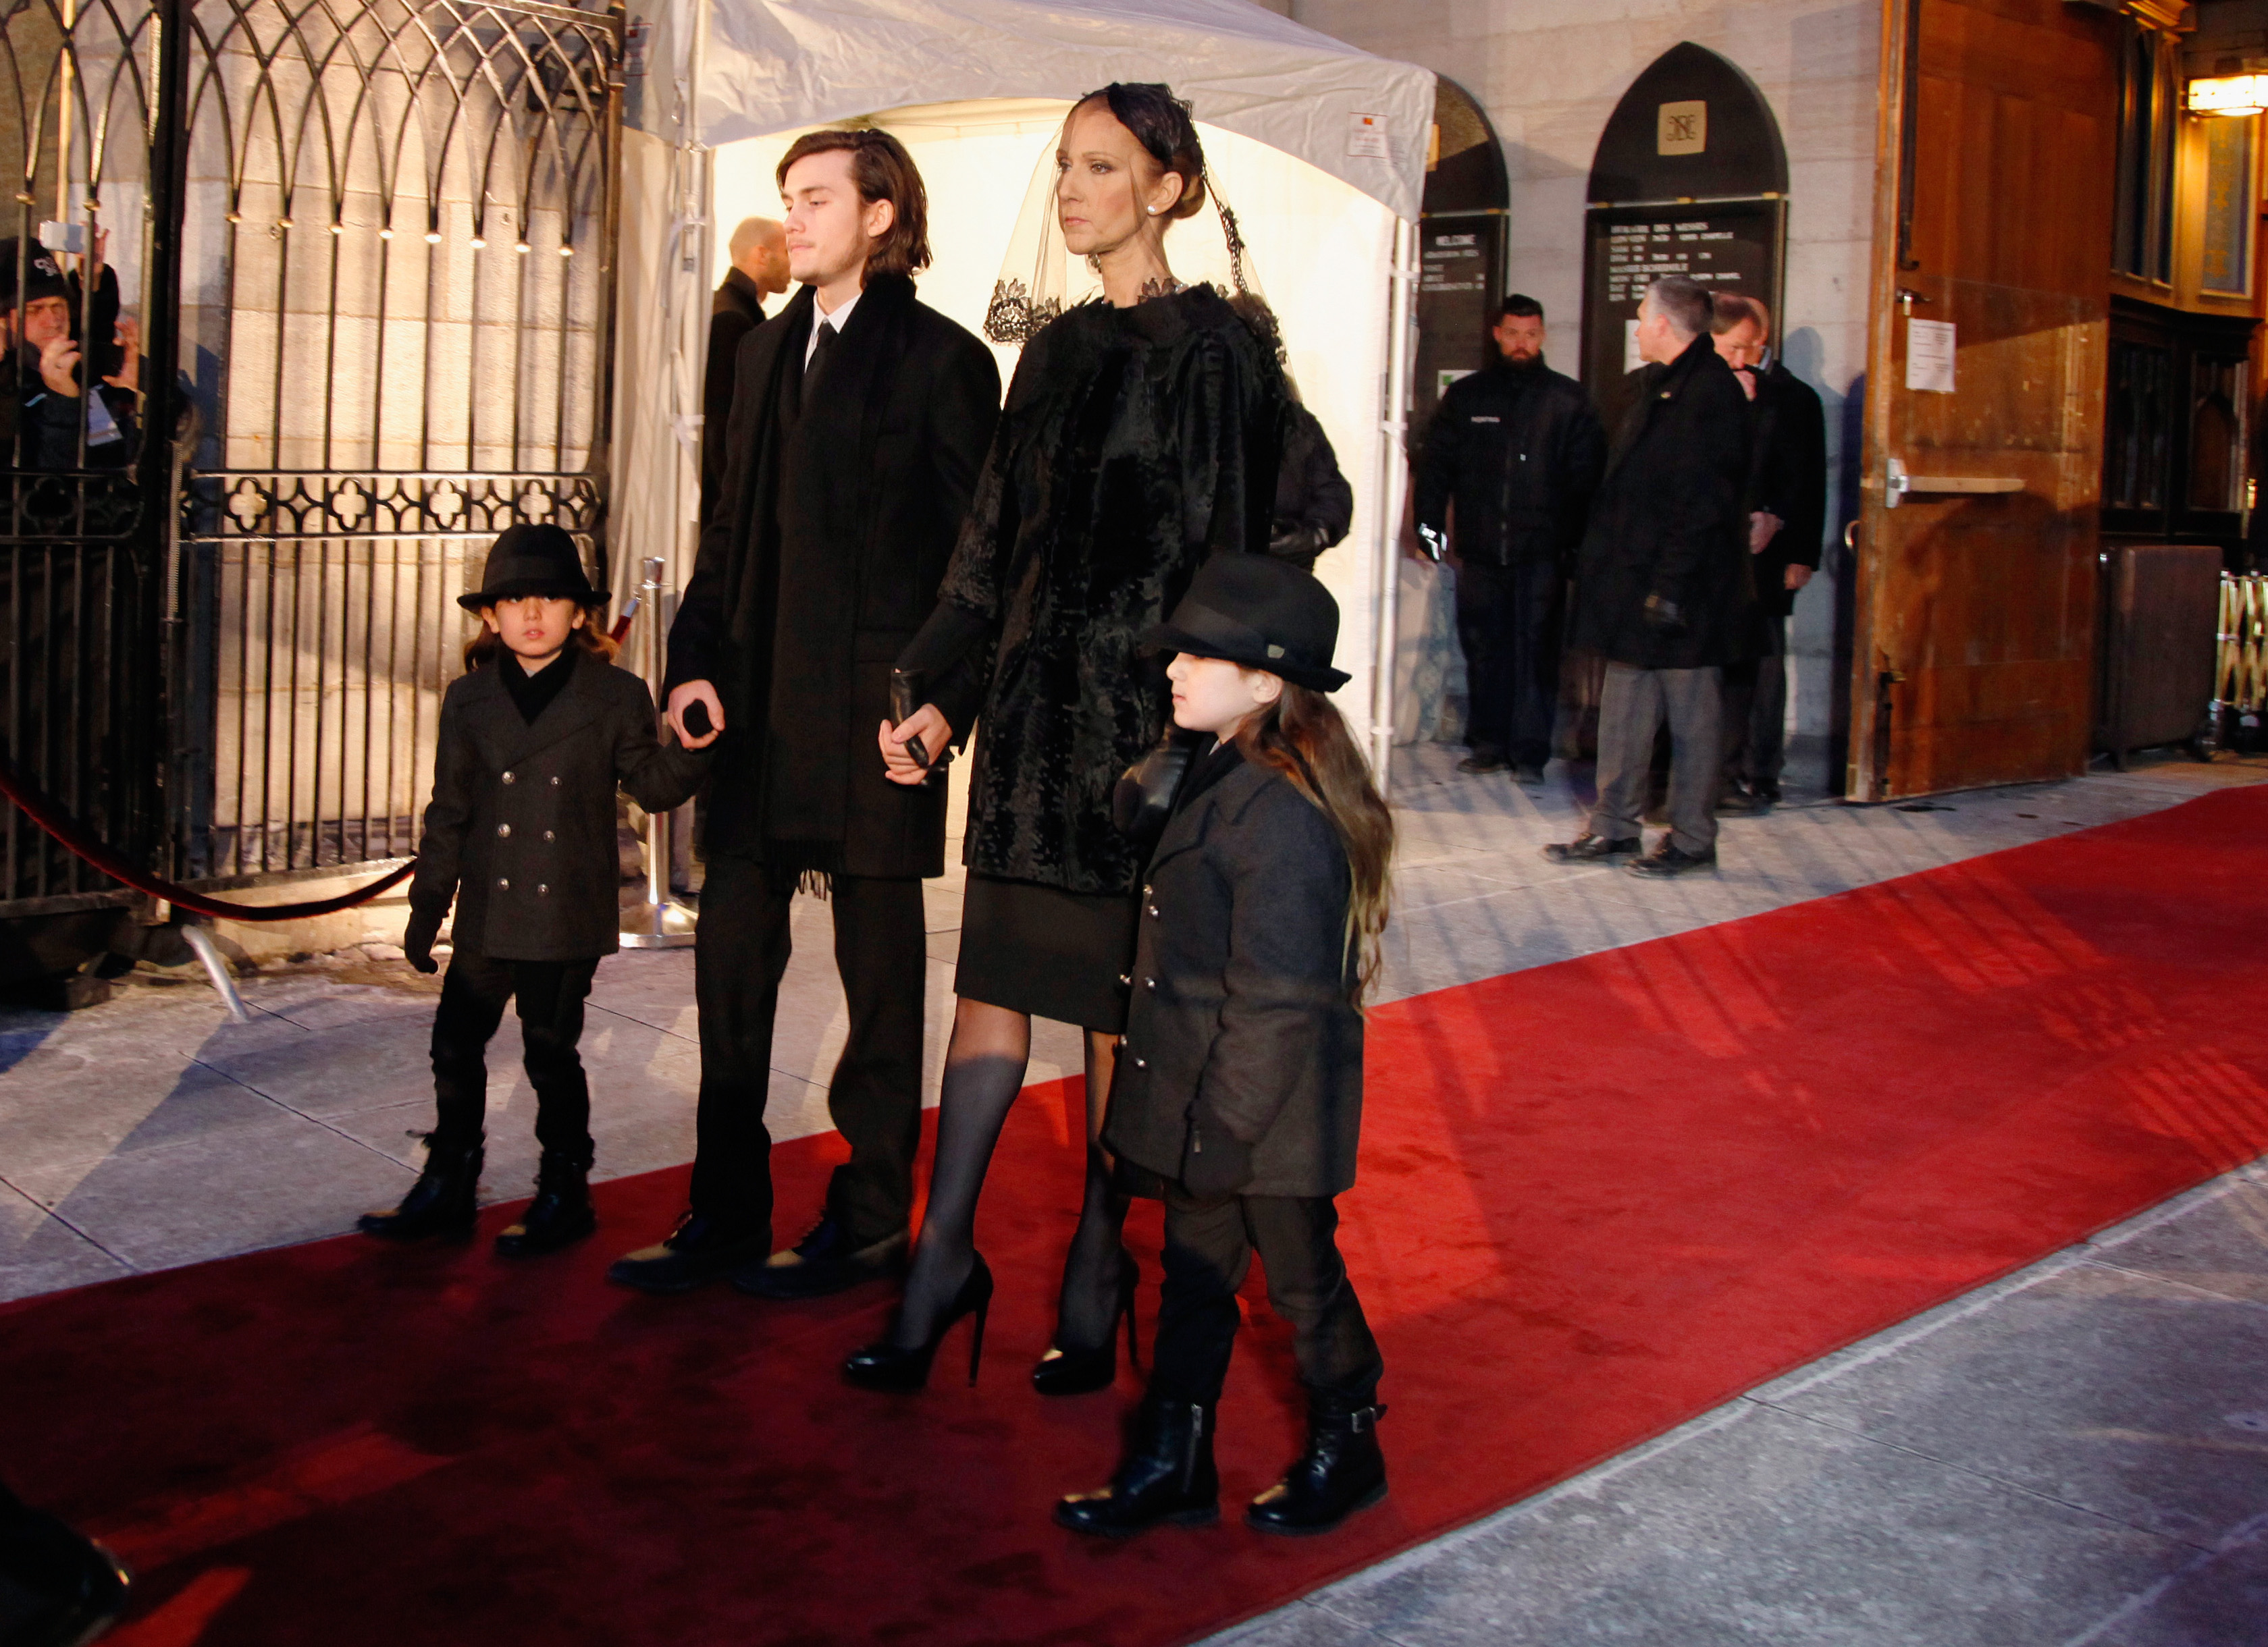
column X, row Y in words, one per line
column 1975, row 606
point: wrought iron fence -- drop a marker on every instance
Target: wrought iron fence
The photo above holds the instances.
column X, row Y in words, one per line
column 393, row 267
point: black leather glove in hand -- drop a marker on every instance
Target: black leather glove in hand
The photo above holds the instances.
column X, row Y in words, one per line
column 1663, row 616
column 417, row 942
column 1215, row 1162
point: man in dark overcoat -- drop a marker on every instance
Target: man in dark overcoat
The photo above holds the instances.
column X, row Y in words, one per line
column 860, row 419
column 1786, row 508
column 1517, row 448
column 1662, row 585
column 758, row 249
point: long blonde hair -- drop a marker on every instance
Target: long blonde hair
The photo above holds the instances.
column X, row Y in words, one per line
column 1303, row 736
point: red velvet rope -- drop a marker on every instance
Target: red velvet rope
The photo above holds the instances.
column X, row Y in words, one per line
column 51, row 818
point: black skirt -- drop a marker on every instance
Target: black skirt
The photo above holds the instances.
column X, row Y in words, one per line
column 1061, row 955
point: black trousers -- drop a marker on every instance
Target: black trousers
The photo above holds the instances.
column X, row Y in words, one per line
column 1508, row 623
column 549, row 994
column 740, row 953
column 1755, row 710
column 1209, row 1247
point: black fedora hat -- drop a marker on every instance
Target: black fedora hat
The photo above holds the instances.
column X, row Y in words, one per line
column 532, row 559
column 1259, row 611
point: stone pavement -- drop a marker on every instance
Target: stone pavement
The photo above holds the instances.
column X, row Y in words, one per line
column 2079, row 1454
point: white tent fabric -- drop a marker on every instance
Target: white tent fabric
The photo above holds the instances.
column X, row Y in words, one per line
column 781, row 65
column 976, row 90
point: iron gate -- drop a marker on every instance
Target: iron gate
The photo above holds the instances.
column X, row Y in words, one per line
column 387, row 312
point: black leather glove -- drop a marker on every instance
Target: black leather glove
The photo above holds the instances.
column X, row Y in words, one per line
column 1215, row 1162
column 1663, row 617
column 417, row 941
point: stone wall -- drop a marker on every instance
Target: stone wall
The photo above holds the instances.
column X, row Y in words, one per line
column 1549, row 74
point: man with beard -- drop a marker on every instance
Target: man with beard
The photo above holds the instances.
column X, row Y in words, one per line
column 860, row 420
column 1509, row 466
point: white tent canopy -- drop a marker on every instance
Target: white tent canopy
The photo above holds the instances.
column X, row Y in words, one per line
column 1320, row 147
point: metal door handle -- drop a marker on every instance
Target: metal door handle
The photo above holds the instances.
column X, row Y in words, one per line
column 1899, row 484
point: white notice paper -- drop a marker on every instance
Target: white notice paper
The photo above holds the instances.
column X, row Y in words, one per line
column 1632, row 359
column 1366, row 137
column 1929, row 356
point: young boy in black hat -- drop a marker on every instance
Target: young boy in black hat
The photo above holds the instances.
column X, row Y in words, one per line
column 1238, row 1094
column 534, row 737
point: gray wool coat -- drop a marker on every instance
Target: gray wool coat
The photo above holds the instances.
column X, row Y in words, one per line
column 521, row 827
column 1241, row 1013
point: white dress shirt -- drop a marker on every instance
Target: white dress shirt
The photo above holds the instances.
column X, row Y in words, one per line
column 838, row 321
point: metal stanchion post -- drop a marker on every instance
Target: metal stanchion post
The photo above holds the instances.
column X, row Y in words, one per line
column 657, row 922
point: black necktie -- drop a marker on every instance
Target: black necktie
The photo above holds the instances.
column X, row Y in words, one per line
column 817, row 363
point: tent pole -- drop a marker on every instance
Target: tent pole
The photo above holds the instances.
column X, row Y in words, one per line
column 1393, row 476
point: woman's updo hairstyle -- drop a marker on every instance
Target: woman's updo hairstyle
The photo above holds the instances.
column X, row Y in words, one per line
column 1161, row 123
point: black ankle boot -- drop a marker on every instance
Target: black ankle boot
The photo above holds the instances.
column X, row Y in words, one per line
column 1168, row 1475
column 440, row 1202
column 561, row 1213
column 1341, row 1472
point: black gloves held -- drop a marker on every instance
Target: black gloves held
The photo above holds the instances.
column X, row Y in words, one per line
column 1663, row 617
column 417, row 941
column 1215, row 1162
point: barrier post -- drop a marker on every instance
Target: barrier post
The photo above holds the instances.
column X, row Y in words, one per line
column 657, row 922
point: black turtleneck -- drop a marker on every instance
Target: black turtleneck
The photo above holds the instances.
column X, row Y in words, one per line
column 532, row 694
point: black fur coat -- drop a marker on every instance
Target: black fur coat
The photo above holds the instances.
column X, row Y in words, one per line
column 1134, row 443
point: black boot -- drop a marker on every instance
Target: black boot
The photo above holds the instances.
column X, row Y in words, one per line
column 440, row 1202
column 561, row 1213
column 1341, row 1472
column 58, row 1587
column 1168, row 1475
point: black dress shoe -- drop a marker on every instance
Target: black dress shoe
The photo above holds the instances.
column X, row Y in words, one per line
column 1167, row 1476
column 59, row 1587
column 1590, row 849
column 1075, row 1372
column 1768, row 793
column 440, row 1202
column 1341, row 1472
column 1480, row 761
column 900, row 1371
column 1741, row 803
column 561, row 1214
column 1529, row 776
column 1668, row 859
column 823, row 1261
column 698, row 1251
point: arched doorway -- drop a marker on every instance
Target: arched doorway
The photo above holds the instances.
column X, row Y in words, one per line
column 1689, row 177
column 1461, row 248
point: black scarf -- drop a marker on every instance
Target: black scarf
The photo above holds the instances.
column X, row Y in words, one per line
column 810, row 522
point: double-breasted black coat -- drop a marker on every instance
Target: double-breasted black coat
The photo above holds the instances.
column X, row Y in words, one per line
column 1668, row 521
column 520, row 831
column 1136, row 443
column 826, row 538
column 1242, row 1012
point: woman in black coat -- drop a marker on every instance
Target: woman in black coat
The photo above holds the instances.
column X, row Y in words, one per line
column 1140, row 437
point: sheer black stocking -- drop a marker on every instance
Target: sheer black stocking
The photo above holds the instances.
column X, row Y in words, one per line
column 983, row 1071
column 1086, row 1308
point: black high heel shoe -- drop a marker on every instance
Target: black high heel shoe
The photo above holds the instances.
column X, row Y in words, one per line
column 1083, row 1371
column 887, row 1366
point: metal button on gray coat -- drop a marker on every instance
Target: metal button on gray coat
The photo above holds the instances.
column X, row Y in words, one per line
column 1241, row 992
column 521, row 827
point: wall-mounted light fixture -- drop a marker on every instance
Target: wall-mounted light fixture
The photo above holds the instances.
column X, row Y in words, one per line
column 2229, row 94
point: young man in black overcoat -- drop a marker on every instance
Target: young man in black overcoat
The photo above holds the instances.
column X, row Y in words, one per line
column 1662, row 585
column 860, row 420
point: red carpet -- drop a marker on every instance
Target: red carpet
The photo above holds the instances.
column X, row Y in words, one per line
column 1598, row 1198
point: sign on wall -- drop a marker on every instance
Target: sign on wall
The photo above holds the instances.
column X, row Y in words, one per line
column 1724, row 245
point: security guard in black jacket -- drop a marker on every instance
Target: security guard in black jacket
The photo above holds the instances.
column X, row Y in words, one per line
column 1519, row 448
